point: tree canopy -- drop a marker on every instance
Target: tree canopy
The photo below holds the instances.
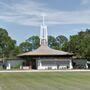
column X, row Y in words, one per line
column 7, row 44
column 61, row 40
column 35, row 41
column 25, row 47
column 78, row 44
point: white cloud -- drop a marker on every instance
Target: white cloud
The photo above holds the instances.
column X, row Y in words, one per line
column 85, row 2
column 28, row 12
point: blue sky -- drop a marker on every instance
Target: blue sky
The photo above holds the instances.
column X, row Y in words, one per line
column 22, row 18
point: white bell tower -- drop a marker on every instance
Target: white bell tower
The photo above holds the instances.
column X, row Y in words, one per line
column 43, row 33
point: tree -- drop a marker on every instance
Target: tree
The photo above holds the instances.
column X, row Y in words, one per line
column 80, row 44
column 61, row 40
column 25, row 47
column 52, row 43
column 35, row 41
column 7, row 44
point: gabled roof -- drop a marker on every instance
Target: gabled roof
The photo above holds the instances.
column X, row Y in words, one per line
column 45, row 50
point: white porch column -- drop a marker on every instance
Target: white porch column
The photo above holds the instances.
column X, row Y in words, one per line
column 39, row 64
column 9, row 66
column 86, row 66
column 70, row 64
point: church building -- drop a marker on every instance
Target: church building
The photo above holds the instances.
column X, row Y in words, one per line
column 44, row 57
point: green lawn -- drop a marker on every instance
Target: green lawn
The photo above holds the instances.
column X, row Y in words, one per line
column 45, row 81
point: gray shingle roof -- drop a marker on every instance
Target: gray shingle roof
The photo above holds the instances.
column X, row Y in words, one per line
column 45, row 50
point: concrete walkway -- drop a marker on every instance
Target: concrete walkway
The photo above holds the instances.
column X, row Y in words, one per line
column 12, row 71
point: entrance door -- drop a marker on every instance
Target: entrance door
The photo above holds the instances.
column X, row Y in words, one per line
column 34, row 64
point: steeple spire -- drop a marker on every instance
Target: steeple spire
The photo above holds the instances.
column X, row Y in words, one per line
column 43, row 19
column 43, row 33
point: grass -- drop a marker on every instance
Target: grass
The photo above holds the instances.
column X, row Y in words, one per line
column 45, row 81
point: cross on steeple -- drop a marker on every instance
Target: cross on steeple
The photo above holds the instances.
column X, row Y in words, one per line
column 43, row 33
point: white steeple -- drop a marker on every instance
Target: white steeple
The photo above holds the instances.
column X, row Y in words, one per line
column 43, row 33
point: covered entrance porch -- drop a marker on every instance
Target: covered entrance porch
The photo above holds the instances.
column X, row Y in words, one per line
column 47, row 62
